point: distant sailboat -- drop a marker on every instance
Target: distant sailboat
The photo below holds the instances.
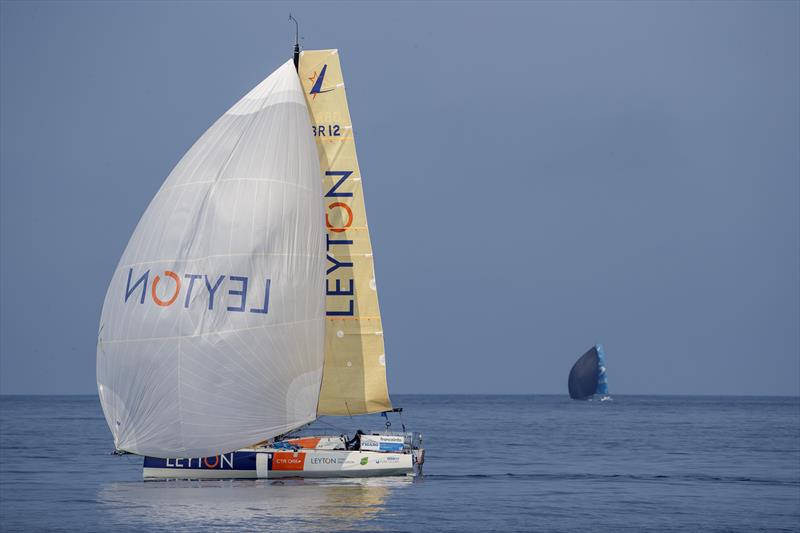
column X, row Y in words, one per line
column 588, row 376
column 245, row 305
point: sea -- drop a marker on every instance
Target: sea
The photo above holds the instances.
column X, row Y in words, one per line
column 492, row 463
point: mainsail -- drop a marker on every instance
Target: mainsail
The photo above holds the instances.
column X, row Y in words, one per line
column 354, row 380
column 212, row 330
column 588, row 375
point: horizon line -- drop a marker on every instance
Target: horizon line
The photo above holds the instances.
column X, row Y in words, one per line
column 710, row 395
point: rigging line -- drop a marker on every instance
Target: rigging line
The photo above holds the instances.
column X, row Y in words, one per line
column 333, row 426
column 298, row 429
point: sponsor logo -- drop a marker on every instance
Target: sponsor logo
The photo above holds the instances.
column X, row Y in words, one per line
column 287, row 461
column 221, row 462
column 323, row 460
column 318, row 81
column 233, row 293
column 339, row 284
column 382, row 443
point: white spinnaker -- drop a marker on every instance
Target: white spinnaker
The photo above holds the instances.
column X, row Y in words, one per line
column 178, row 379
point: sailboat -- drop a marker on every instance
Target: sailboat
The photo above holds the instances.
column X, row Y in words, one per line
column 587, row 378
column 245, row 304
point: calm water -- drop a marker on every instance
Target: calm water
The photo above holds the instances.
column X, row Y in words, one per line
column 509, row 463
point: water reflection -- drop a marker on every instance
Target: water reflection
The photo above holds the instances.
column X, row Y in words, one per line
column 294, row 505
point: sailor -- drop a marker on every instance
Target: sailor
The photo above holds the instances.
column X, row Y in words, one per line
column 355, row 442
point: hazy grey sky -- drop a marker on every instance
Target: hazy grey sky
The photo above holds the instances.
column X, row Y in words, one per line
column 539, row 177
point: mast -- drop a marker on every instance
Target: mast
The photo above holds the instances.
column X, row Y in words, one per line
column 296, row 42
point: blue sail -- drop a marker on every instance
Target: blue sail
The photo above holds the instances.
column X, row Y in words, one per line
column 588, row 375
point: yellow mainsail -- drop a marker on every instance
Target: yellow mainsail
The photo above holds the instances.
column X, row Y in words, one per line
column 354, row 376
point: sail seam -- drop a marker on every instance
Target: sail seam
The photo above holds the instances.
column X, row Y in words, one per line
column 224, row 180
column 201, row 217
column 203, row 258
column 221, row 332
column 180, row 397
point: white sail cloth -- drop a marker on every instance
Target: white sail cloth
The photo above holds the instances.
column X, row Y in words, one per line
column 212, row 331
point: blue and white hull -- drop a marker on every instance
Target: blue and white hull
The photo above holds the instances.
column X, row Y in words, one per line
column 270, row 463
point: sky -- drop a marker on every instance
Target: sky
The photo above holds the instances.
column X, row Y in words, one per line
column 538, row 177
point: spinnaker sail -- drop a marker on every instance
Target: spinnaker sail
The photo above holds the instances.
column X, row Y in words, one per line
column 588, row 375
column 212, row 331
column 354, row 379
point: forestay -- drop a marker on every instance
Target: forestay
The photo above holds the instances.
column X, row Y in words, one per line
column 212, row 331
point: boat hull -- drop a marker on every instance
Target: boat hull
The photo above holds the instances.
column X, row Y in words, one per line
column 268, row 463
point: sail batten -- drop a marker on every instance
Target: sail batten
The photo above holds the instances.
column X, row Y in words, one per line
column 212, row 330
column 354, row 378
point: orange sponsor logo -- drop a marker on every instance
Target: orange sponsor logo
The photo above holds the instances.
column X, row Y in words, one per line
column 169, row 302
column 288, row 460
column 349, row 217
